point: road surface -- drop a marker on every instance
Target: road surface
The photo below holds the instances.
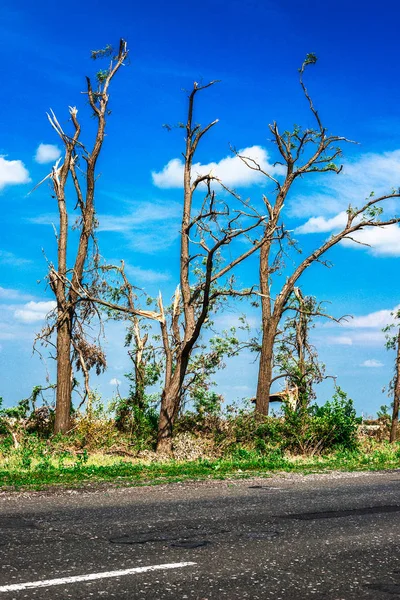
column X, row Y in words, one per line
column 332, row 537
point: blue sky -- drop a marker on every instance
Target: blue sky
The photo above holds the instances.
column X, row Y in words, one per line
column 254, row 47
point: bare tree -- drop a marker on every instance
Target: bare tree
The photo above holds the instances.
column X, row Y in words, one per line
column 302, row 151
column 204, row 235
column 79, row 165
column 207, row 228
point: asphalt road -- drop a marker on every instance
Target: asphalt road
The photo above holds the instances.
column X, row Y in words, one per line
column 335, row 537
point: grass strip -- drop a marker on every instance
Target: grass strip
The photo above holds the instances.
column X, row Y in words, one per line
column 128, row 473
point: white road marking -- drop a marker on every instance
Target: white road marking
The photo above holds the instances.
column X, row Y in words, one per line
column 90, row 577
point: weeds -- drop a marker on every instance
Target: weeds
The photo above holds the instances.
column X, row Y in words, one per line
column 243, row 464
column 206, row 445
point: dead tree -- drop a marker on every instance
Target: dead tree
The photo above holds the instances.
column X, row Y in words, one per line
column 204, row 236
column 78, row 166
column 302, row 151
column 207, row 229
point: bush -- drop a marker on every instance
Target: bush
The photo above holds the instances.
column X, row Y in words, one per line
column 139, row 422
column 318, row 429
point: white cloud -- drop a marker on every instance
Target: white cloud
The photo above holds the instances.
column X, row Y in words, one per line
column 150, row 227
column 322, row 224
column 241, row 388
column 363, row 330
column 372, row 363
column 34, row 311
column 228, row 320
column 380, row 241
column 12, row 172
column 374, row 320
column 146, row 275
column 354, row 338
column 231, row 170
column 360, row 176
column 6, row 335
column 341, row 340
column 368, row 338
column 139, row 215
column 10, row 331
column 114, row 381
column 47, row 153
column 44, row 219
column 9, row 258
column 10, row 294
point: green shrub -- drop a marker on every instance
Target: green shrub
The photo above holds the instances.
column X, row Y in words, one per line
column 316, row 429
column 139, row 422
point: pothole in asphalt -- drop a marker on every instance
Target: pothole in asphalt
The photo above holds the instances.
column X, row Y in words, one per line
column 336, row 514
column 140, row 539
column 266, row 488
column 190, row 544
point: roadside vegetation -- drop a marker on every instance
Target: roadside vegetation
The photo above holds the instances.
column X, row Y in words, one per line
column 208, row 443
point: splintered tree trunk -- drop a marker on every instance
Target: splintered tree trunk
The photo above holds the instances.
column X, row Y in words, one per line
column 396, row 399
column 64, row 378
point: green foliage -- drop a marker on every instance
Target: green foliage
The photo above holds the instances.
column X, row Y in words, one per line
column 207, row 402
column 102, row 53
column 372, row 212
column 295, row 357
column 310, row 59
column 102, row 75
column 205, row 362
column 316, row 429
column 384, row 412
column 392, row 341
column 338, row 421
column 37, row 419
column 140, row 423
column 308, row 430
column 3, row 425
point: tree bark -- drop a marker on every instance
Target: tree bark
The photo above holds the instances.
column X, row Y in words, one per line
column 269, row 328
column 170, row 401
column 64, row 377
column 265, row 368
column 396, row 399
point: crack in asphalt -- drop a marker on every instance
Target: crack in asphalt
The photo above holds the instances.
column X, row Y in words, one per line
column 337, row 514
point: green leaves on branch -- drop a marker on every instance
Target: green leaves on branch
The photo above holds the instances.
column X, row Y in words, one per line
column 310, row 59
column 102, row 75
column 102, row 53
